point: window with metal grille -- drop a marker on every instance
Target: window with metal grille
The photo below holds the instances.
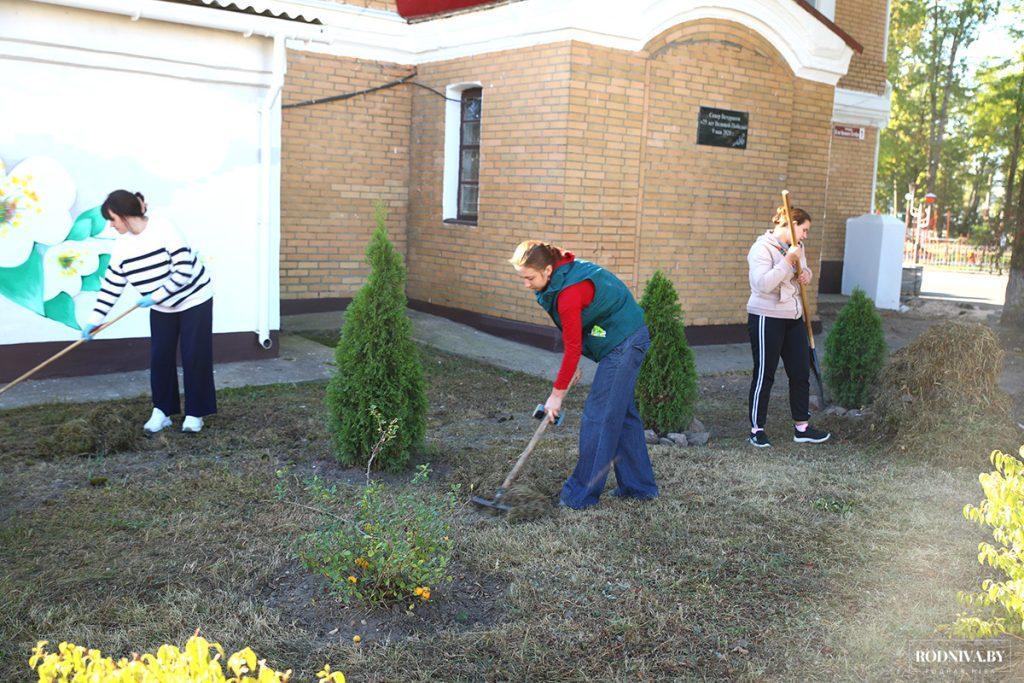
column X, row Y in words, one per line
column 469, row 154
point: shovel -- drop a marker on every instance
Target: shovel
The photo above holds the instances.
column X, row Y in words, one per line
column 803, row 300
column 495, row 503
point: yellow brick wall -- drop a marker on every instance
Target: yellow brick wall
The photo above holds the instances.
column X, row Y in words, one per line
column 849, row 190
column 337, row 159
column 522, row 175
column 569, row 134
column 589, row 147
column 704, row 206
column 606, row 114
column 865, row 21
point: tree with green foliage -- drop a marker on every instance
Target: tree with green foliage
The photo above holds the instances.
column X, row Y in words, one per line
column 666, row 390
column 930, row 141
column 377, row 366
column 855, row 351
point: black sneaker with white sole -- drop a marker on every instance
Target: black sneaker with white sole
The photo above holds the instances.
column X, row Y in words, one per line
column 810, row 435
column 760, row 439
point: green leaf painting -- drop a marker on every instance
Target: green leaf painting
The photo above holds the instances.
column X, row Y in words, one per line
column 62, row 309
column 88, row 224
column 24, row 284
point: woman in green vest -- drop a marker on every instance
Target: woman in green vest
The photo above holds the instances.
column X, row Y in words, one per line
column 600, row 319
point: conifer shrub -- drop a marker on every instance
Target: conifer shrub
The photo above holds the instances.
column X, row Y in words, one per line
column 666, row 389
column 855, row 352
column 377, row 364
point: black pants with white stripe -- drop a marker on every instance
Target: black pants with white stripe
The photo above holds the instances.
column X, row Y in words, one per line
column 771, row 338
column 193, row 328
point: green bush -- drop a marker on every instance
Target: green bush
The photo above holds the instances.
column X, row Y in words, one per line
column 666, row 390
column 377, row 364
column 397, row 547
column 855, row 352
column 1001, row 510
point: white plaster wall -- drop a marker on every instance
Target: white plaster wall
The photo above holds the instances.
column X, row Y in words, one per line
column 165, row 109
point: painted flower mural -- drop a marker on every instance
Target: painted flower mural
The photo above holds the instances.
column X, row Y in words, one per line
column 66, row 263
column 35, row 206
column 46, row 258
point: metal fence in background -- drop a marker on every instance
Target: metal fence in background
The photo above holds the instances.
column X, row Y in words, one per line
column 924, row 248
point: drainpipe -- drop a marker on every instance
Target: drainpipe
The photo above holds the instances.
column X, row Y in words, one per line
column 269, row 112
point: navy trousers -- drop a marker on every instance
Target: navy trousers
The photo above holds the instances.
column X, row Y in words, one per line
column 193, row 328
column 611, row 431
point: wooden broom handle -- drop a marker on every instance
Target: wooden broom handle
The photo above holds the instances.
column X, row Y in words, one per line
column 793, row 242
column 57, row 355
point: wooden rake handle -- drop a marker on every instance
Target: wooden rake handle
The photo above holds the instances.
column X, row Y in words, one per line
column 510, row 479
column 57, row 355
column 793, row 241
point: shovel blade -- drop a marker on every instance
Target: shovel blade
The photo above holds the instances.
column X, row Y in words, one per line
column 490, row 504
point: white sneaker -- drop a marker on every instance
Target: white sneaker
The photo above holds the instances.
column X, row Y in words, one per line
column 192, row 424
column 157, row 421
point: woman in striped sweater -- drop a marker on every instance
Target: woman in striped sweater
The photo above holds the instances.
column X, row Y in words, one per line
column 151, row 255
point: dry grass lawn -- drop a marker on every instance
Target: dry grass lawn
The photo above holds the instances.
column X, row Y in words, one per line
column 792, row 563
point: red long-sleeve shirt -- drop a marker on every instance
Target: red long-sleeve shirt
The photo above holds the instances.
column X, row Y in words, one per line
column 571, row 302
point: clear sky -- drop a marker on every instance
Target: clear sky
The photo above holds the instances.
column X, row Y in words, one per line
column 994, row 41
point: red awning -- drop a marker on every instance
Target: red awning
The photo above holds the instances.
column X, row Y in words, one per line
column 420, row 8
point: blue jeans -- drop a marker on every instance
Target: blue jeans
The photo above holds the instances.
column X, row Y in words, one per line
column 611, row 432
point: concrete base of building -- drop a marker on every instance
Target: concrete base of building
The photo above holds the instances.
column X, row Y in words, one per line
column 545, row 337
column 320, row 305
column 103, row 356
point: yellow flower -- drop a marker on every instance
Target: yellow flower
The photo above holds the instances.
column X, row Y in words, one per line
column 426, row 594
column 243, row 661
column 418, row 591
column 352, row 579
column 356, row 638
column 328, row 676
column 38, row 653
column 362, row 562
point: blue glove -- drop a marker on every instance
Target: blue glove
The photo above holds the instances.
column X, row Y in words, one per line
column 87, row 332
column 146, row 301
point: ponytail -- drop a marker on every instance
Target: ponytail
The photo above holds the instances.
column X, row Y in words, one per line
column 535, row 254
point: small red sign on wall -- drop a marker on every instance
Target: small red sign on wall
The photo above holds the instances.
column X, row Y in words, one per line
column 851, row 132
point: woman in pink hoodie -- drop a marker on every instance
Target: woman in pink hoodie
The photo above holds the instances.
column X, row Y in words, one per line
column 776, row 326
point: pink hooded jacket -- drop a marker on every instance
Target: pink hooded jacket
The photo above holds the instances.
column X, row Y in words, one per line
column 774, row 291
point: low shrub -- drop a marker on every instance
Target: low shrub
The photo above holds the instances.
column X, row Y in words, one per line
column 855, row 352
column 1001, row 599
column 396, row 547
column 666, row 388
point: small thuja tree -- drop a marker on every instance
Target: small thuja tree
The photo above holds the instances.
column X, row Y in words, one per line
column 378, row 365
column 1001, row 601
column 855, row 351
column 666, row 390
